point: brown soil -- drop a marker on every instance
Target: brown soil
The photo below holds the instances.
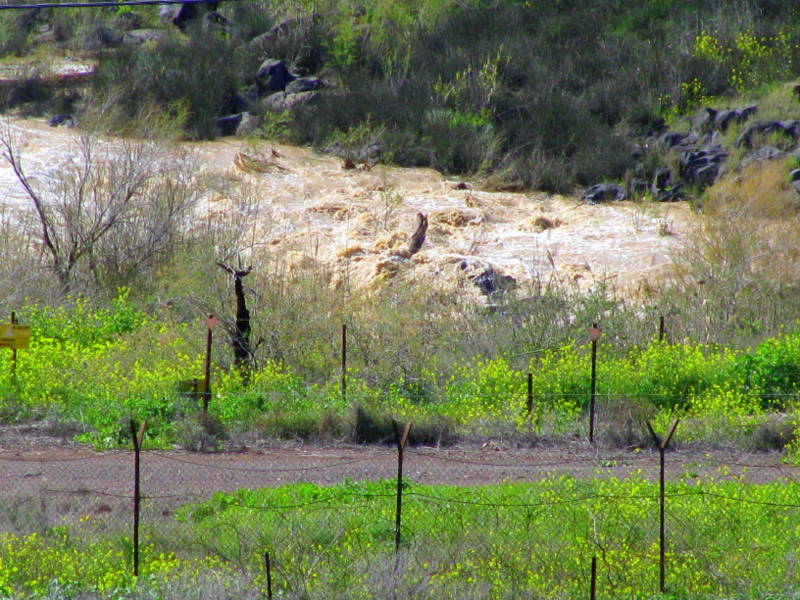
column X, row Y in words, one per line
column 47, row 481
column 35, row 462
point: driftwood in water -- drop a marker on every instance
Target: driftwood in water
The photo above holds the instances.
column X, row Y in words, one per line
column 418, row 238
column 240, row 334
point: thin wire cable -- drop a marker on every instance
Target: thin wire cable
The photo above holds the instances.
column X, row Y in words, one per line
column 9, row 459
column 113, row 3
column 85, row 492
column 266, row 470
column 589, row 461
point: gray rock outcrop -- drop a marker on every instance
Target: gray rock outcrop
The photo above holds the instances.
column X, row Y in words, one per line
column 272, row 76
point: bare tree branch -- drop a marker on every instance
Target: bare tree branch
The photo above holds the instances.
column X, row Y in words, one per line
column 110, row 207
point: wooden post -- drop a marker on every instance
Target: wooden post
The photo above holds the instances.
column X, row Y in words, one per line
column 530, row 394
column 400, row 439
column 593, row 583
column 662, row 448
column 594, row 335
column 344, row 361
column 14, row 352
column 661, row 328
column 137, row 437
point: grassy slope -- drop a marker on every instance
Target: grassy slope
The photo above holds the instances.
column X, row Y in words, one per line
column 541, row 94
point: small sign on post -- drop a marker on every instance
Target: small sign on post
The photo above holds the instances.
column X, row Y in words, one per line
column 14, row 337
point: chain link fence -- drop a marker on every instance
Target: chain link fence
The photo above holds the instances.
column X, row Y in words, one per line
column 572, row 518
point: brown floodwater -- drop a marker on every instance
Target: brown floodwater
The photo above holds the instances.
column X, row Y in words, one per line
column 303, row 207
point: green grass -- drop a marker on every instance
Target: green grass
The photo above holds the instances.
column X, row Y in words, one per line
column 100, row 367
column 725, row 539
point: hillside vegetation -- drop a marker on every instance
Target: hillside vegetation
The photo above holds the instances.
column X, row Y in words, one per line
column 533, row 94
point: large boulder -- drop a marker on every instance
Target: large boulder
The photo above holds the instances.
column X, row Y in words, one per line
column 29, row 19
column 178, row 14
column 304, row 84
column 141, row 36
column 281, row 101
column 59, row 120
column 664, row 189
column 673, row 139
column 283, row 28
column 273, row 76
column 604, row 192
column 181, row 15
column 248, row 124
column 762, row 154
column 102, row 37
column 720, row 120
column 490, row 282
column 794, row 178
column 48, row 34
column 229, row 124
column 702, row 166
column 790, row 129
column 215, row 22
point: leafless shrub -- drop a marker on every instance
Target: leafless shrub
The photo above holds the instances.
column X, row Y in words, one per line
column 108, row 213
column 737, row 272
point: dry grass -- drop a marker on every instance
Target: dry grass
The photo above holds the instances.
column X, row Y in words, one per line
column 740, row 265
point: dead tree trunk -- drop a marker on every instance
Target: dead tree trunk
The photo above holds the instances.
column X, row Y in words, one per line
column 240, row 334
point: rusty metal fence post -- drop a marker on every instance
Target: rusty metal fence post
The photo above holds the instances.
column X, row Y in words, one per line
column 662, row 449
column 344, row 361
column 268, row 568
column 211, row 322
column 137, row 435
column 401, row 439
column 530, row 394
column 14, row 353
column 594, row 335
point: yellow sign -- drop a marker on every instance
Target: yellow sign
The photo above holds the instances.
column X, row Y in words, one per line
column 15, row 337
column 192, row 386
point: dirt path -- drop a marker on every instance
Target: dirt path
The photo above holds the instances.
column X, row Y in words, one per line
column 38, row 470
column 47, row 481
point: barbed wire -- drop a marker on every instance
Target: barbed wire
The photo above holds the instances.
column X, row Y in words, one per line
column 270, row 469
column 332, row 498
column 549, row 463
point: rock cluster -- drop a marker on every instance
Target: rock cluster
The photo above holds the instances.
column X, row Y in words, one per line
column 697, row 157
column 274, row 88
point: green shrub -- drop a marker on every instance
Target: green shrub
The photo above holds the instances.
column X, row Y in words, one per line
column 198, row 73
column 772, row 370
